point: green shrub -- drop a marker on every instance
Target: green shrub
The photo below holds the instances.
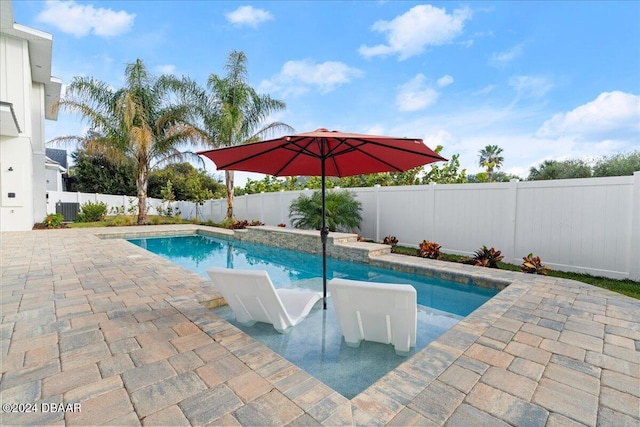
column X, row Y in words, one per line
column 121, row 221
column 92, row 212
column 342, row 211
column 53, row 220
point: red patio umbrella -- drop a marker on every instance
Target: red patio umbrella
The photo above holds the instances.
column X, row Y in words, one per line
column 325, row 153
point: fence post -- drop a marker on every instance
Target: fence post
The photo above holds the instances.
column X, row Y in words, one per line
column 431, row 231
column 510, row 225
column 281, row 204
column 377, row 194
column 633, row 257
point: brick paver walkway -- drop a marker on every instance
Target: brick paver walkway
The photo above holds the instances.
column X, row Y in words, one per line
column 103, row 326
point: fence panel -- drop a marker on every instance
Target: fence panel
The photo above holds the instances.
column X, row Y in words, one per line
column 589, row 225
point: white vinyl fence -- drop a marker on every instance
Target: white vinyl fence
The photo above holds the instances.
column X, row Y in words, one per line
column 587, row 225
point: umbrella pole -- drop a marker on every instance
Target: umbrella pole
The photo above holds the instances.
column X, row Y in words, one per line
column 324, row 231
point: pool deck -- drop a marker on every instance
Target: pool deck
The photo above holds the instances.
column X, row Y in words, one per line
column 121, row 332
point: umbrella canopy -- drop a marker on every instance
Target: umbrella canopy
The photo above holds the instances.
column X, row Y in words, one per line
column 343, row 154
column 325, row 153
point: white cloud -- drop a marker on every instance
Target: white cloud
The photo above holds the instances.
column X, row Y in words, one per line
column 530, row 86
column 503, row 58
column 485, row 90
column 445, row 80
column 611, row 116
column 249, row 16
column 166, row 69
column 422, row 26
column 419, row 93
column 297, row 77
column 80, row 20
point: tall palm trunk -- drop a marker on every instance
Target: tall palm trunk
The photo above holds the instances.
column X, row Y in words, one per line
column 142, row 182
column 229, row 182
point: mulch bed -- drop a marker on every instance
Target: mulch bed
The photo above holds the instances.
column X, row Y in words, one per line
column 42, row 226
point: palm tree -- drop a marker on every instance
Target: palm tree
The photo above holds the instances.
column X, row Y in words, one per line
column 490, row 158
column 233, row 113
column 136, row 122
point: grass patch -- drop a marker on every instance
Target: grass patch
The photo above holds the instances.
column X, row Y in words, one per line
column 626, row 287
column 128, row 220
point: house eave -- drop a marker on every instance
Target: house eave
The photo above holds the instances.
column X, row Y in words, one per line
column 8, row 121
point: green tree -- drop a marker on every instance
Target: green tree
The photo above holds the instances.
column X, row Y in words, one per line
column 618, row 164
column 553, row 169
column 490, row 158
column 342, row 211
column 497, row 177
column 232, row 113
column 168, row 196
column 445, row 173
column 182, row 176
column 198, row 193
column 96, row 174
column 138, row 123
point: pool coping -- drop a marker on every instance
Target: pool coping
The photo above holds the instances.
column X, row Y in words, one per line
column 510, row 350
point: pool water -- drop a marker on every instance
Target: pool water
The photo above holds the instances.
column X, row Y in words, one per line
column 316, row 345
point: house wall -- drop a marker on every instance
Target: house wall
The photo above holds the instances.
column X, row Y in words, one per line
column 585, row 225
column 53, row 179
column 17, row 213
column 23, row 189
column 39, row 191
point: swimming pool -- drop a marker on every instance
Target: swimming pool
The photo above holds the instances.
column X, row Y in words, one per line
column 322, row 352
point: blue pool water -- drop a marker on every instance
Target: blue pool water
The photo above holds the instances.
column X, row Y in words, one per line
column 316, row 345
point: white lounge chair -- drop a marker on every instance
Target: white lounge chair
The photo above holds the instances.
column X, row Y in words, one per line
column 253, row 298
column 380, row 312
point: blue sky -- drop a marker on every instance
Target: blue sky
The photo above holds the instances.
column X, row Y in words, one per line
column 543, row 80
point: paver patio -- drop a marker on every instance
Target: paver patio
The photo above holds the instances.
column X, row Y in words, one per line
column 121, row 332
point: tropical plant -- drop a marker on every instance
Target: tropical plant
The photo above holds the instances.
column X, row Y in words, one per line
column 140, row 123
column 342, row 211
column 53, row 220
column 231, row 112
column 429, row 250
column 566, row 169
column 490, row 158
column 485, row 257
column 533, row 264
column 92, row 212
column 390, row 240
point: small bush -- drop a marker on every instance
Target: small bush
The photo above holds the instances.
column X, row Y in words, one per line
column 92, row 212
column 53, row 220
column 533, row 265
column 282, row 225
column 484, row 257
column 255, row 223
column 429, row 250
column 390, row 240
